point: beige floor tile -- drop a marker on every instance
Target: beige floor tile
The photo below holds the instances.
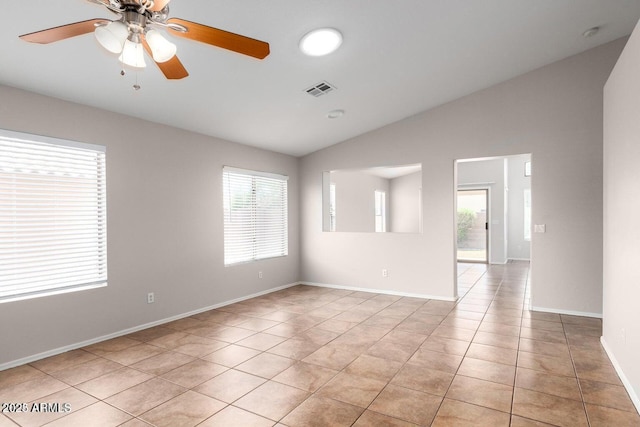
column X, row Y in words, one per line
column 97, row 415
column 320, row 412
column 556, row 385
column 108, row 346
column 597, row 372
column 185, row 410
column 272, row 400
column 545, row 348
column 547, row 408
column 490, row 353
column 31, row 390
column 261, row 341
column 392, row 351
column 485, row 370
column 435, row 360
column 499, row 328
column 18, row 375
column 257, row 325
column 517, row 421
column 352, row 389
column 295, row 348
column 146, row 335
column 453, row 413
column 446, row 345
column 113, row 382
column 417, row 377
column 230, row 385
column 551, row 365
column 135, row 422
column 236, row 417
column 194, row 373
column 163, row 362
column 142, row 397
column 542, row 324
column 305, row 376
column 374, row 367
column 408, row 405
column 317, row 336
column 454, row 333
column 71, row 396
column 133, row 354
column 331, row 357
column 6, row 422
column 504, row 341
column 543, row 335
column 265, row 365
column 370, row 418
column 63, row 361
column 604, row 394
column 86, row 371
column 600, row 416
column 482, row 393
column 231, row 355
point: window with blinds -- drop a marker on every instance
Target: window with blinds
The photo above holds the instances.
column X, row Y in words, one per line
column 53, row 225
column 255, row 215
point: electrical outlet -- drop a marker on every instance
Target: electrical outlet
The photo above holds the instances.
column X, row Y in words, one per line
column 151, row 298
column 259, row 274
column 385, row 272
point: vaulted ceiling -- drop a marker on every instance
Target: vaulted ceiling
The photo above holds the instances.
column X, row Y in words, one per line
column 398, row 58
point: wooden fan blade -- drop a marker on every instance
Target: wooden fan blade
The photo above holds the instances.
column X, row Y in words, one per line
column 172, row 69
column 63, row 32
column 220, row 38
column 158, row 5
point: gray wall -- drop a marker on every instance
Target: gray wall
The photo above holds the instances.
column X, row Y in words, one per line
column 404, row 203
column 470, row 174
column 165, row 226
column 621, row 334
column 554, row 113
column 517, row 247
column 355, row 203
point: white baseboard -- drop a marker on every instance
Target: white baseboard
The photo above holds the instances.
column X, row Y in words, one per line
column 127, row 331
column 519, row 259
column 568, row 312
column 379, row 291
column 625, row 381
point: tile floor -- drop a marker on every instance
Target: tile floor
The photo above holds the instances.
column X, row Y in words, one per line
column 308, row 356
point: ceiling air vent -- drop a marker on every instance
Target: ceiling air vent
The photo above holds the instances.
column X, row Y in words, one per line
column 320, row 89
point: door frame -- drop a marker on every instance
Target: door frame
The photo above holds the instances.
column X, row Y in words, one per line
column 487, row 191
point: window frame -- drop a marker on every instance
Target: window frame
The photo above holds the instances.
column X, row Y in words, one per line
column 257, row 178
column 58, row 188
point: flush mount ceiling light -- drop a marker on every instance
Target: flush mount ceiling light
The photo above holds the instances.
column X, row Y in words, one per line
column 320, row 42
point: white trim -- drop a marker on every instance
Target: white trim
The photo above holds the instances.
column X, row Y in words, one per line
column 127, row 331
column 568, row 312
column 248, row 172
column 30, row 138
column 625, row 381
column 379, row 291
column 518, row 259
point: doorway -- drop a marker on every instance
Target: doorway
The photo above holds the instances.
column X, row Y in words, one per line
column 473, row 225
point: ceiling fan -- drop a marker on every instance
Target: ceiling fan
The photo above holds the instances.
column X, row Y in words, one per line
column 136, row 31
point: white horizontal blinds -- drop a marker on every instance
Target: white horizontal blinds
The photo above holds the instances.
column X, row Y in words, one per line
column 255, row 215
column 53, row 230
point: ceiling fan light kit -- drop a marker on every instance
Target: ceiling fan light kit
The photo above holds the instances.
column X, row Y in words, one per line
column 135, row 31
column 133, row 54
column 112, row 36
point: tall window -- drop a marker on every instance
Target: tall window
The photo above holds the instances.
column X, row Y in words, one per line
column 332, row 207
column 255, row 215
column 53, row 217
column 527, row 214
column 380, row 209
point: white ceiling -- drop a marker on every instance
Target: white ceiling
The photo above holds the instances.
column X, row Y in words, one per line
column 398, row 58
